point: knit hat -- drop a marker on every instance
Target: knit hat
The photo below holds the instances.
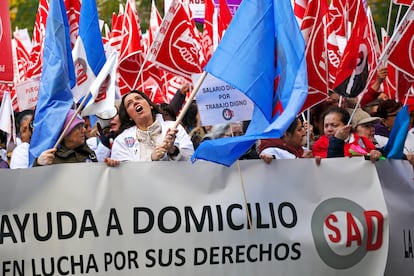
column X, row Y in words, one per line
column 361, row 117
column 76, row 121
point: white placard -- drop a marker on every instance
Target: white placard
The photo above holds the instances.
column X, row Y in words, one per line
column 219, row 102
column 27, row 92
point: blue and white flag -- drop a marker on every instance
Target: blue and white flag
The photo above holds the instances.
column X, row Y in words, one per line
column 263, row 55
column 88, row 52
column 58, row 77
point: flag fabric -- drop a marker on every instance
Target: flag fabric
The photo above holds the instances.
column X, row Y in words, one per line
column 58, row 77
column 175, row 48
column 154, row 24
column 224, row 17
column 7, row 123
column 103, row 89
column 73, row 8
column 132, row 49
column 88, row 53
column 208, row 36
column 352, row 73
column 314, row 31
column 402, row 55
column 6, row 55
column 115, row 37
column 23, row 59
column 374, row 49
column 395, row 146
column 299, row 9
column 403, row 2
column 35, row 68
column 262, row 45
column 397, row 84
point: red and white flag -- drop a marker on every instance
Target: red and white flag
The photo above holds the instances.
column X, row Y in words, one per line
column 314, row 31
column 401, row 48
column 397, row 84
column 6, row 55
column 403, row 2
column 115, row 36
column 73, row 13
column 23, row 59
column 352, row 73
column 299, row 9
column 131, row 51
column 154, row 24
column 224, row 17
column 175, row 48
column 210, row 34
column 35, row 68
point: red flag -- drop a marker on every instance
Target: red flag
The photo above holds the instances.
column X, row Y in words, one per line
column 224, row 17
column 115, row 37
column 175, row 48
column 154, row 24
column 35, row 68
column 6, row 56
column 352, row 72
column 314, row 25
column 397, row 84
column 208, row 30
column 299, row 9
column 402, row 54
column 73, row 13
column 131, row 52
column 403, row 2
column 373, row 45
column 23, row 59
column 335, row 33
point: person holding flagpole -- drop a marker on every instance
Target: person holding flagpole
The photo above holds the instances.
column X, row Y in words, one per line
column 145, row 136
column 73, row 148
column 338, row 139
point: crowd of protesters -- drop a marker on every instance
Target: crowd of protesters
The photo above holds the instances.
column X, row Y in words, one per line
column 143, row 131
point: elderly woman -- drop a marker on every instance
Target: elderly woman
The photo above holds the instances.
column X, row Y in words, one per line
column 145, row 136
column 339, row 141
column 73, row 148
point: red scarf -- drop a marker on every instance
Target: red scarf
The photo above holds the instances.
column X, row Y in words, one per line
column 279, row 143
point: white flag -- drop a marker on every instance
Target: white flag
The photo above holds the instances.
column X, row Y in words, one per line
column 7, row 121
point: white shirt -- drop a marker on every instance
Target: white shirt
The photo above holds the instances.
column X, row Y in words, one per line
column 278, row 153
column 20, row 156
column 127, row 145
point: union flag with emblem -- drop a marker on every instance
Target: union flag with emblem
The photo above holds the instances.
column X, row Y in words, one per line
column 314, row 31
column 402, row 55
column 131, row 52
column 174, row 48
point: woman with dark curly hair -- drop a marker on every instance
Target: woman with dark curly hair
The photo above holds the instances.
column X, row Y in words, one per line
column 145, row 136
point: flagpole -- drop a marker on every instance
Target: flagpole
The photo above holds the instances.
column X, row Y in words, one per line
column 384, row 55
column 77, row 111
column 389, row 17
column 189, row 100
column 397, row 18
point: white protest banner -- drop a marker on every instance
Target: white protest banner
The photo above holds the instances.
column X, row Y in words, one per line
column 155, row 218
column 27, row 92
column 219, row 102
column 397, row 179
